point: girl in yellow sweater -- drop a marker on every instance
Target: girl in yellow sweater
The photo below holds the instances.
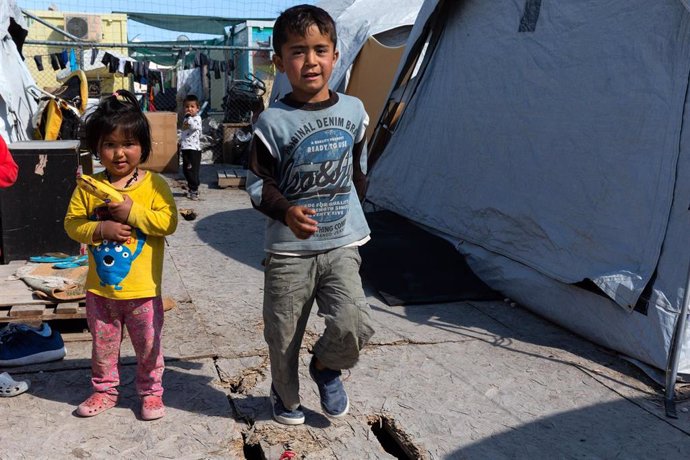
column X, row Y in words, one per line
column 126, row 244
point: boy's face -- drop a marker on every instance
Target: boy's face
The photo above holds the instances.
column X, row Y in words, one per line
column 191, row 108
column 308, row 63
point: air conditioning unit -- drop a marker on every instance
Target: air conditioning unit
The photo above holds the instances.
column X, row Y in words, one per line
column 84, row 26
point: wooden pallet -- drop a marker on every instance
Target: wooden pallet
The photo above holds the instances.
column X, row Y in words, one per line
column 18, row 304
column 234, row 177
column 42, row 312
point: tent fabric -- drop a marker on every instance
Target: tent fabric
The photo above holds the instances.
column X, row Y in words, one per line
column 554, row 172
column 410, row 266
column 556, row 156
column 356, row 21
column 17, row 104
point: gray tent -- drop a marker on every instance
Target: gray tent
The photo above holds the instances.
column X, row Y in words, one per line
column 17, row 105
column 547, row 140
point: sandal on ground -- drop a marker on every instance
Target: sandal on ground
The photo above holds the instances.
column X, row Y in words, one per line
column 95, row 404
column 152, row 407
column 10, row 387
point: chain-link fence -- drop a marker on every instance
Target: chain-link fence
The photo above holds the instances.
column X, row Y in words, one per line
column 231, row 73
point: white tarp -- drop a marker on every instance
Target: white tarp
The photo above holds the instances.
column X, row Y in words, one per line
column 356, row 21
column 557, row 156
column 17, row 106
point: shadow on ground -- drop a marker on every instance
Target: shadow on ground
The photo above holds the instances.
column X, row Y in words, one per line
column 187, row 385
column 605, row 429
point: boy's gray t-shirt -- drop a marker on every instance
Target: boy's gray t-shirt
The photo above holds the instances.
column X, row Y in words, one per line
column 313, row 149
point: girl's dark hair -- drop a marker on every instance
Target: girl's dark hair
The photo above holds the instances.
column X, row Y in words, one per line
column 297, row 20
column 119, row 111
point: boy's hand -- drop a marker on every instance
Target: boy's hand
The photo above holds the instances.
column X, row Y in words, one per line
column 297, row 218
column 120, row 211
column 115, row 231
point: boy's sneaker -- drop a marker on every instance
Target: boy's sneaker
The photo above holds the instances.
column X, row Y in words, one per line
column 21, row 344
column 334, row 400
column 281, row 414
column 194, row 196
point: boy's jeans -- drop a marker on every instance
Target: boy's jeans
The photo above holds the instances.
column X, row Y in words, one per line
column 291, row 286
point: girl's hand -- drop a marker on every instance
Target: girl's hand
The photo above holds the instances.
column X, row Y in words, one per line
column 115, row 231
column 120, row 211
column 297, row 218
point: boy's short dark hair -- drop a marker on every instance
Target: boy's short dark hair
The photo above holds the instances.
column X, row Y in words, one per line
column 119, row 111
column 297, row 20
column 191, row 98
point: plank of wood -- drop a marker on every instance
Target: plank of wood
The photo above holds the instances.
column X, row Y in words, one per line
column 232, row 178
column 22, row 311
column 67, row 308
column 15, row 292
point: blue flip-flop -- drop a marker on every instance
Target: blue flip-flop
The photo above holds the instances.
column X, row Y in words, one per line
column 73, row 263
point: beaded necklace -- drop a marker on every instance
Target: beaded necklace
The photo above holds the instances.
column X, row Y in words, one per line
column 129, row 181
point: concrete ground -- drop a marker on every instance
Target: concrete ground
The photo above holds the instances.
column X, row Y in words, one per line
column 467, row 380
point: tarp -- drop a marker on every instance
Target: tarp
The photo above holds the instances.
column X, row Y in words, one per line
column 186, row 23
column 17, row 105
column 551, row 143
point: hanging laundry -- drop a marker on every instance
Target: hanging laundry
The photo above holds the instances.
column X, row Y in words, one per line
column 94, row 54
column 63, row 57
column 54, row 61
column 215, row 67
column 128, row 68
column 73, row 60
column 39, row 63
column 114, row 64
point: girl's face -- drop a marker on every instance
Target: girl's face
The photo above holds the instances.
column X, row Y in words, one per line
column 120, row 154
column 308, row 63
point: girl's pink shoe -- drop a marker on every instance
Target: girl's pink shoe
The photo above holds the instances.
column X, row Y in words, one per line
column 95, row 404
column 152, row 407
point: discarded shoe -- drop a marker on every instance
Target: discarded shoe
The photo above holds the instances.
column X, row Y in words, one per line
column 152, row 407
column 21, row 344
column 95, row 404
column 188, row 213
column 334, row 400
column 10, row 387
column 281, row 414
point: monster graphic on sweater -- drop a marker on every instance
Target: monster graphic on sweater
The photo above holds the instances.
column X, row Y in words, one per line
column 114, row 260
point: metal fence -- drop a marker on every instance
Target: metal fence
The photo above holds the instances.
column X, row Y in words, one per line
column 232, row 80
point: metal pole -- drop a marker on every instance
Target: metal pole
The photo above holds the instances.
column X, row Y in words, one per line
column 674, row 353
column 171, row 46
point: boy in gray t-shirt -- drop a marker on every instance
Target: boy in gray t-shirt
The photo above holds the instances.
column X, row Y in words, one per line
column 306, row 174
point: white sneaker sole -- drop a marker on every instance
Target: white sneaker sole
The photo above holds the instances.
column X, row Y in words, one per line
column 43, row 357
column 284, row 420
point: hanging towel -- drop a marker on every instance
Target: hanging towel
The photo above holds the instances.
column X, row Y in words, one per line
column 73, row 60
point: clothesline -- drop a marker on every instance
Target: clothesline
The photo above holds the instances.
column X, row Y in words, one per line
column 128, row 66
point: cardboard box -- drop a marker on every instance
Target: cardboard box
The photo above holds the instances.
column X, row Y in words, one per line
column 163, row 156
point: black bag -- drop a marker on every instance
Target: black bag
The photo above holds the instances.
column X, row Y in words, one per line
column 244, row 100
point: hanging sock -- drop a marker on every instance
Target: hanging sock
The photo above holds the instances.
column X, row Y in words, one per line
column 94, row 54
column 39, row 63
column 63, row 58
column 128, row 68
column 54, row 62
column 215, row 66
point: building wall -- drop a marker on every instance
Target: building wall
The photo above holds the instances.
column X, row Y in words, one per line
column 113, row 29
